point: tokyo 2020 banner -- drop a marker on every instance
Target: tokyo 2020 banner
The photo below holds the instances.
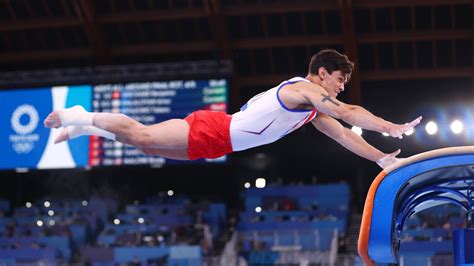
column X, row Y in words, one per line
column 25, row 142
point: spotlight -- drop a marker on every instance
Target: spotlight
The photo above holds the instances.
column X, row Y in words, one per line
column 258, row 209
column 141, row 220
column 39, row 223
column 247, row 185
column 116, row 221
column 457, row 126
column 47, row 204
column 28, row 204
column 84, row 203
column 260, row 182
column 50, row 212
column 357, row 130
column 431, row 128
column 170, row 192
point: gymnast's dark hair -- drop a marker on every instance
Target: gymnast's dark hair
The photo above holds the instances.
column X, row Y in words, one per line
column 331, row 60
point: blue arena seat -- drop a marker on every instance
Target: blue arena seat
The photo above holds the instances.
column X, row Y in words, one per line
column 131, row 254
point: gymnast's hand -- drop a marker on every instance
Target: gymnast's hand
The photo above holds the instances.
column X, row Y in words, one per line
column 397, row 130
column 388, row 159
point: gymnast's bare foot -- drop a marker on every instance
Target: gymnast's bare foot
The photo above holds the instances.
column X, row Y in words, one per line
column 74, row 116
column 53, row 120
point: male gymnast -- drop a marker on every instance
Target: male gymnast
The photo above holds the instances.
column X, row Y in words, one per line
column 264, row 119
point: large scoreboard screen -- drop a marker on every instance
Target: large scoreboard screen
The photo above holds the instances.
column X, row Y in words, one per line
column 26, row 143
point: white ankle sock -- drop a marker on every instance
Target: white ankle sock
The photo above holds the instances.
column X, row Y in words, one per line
column 76, row 116
column 77, row 131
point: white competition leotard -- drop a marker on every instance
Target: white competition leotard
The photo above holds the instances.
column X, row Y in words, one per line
column 264, row 119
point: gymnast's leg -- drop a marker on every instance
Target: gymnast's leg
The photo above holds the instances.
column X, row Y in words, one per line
column 171, row 134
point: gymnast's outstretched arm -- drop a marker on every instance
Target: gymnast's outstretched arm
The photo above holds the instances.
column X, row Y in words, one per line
column 355, row 115
column 351, row 141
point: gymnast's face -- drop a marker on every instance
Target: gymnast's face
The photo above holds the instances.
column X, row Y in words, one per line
column 333, row 83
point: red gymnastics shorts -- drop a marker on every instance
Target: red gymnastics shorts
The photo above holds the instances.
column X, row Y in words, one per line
column 209, row 134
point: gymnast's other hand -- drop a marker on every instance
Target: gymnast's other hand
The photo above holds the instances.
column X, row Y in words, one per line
column 388, row 159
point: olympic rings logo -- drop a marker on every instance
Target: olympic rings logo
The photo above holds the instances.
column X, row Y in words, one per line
column 21, row 110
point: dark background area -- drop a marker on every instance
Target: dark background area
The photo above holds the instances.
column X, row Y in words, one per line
column 412, row 57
